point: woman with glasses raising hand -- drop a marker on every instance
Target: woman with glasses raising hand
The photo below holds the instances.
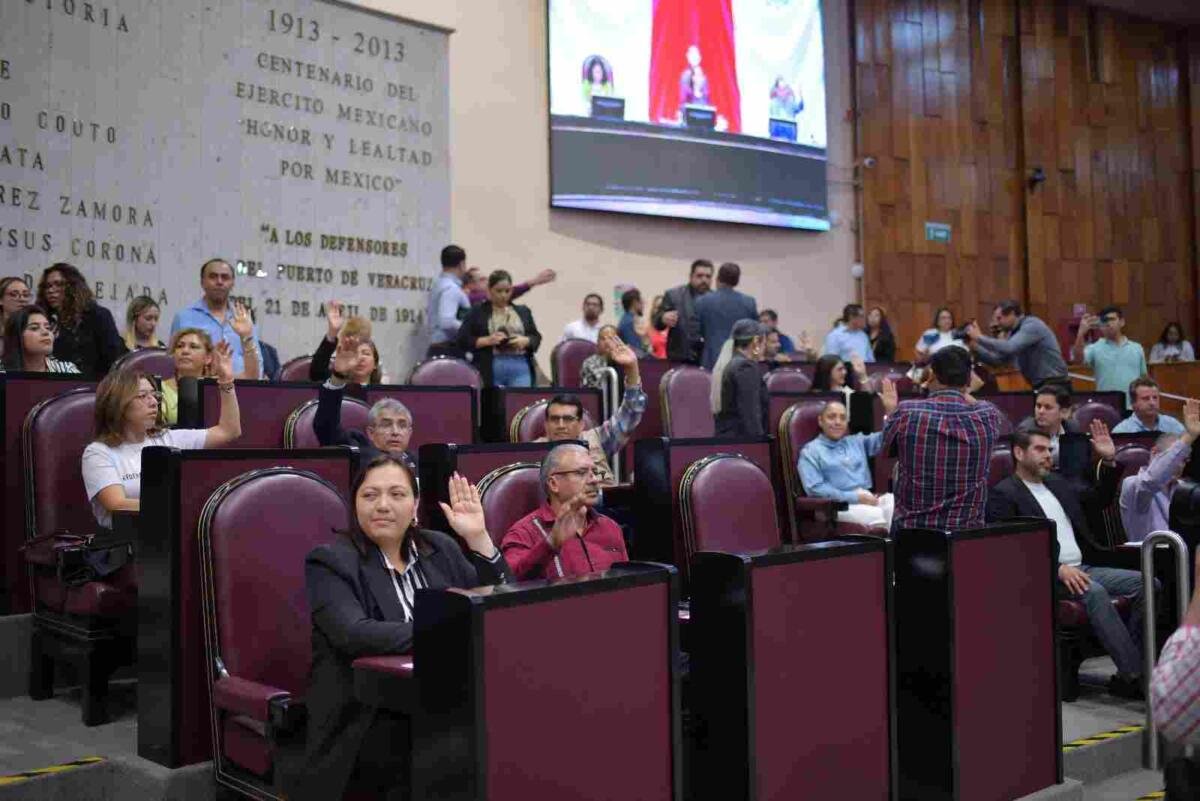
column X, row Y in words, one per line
column 129, row 418
column 29, row 343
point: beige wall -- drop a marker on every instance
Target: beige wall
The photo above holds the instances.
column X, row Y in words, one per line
column 500, row 185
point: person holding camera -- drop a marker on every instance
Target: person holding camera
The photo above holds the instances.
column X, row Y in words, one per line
column 501, row 336
column 1115, row 359
column 1029, row 342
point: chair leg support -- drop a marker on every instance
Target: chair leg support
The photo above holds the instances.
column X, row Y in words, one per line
column 95, row 669
column 1069, row 660
column 41, row 668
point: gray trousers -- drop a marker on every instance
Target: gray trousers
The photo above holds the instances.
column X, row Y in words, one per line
column 1123, row 643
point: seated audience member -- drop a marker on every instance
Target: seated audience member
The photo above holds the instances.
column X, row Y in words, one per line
column 1035, row 491
column 14, row 296
column 632, row 325
column 87, row 335
column 1143, row 396
column 1172, row 346
column 657, row 339
column 591, row 372
column 834, row 465
column 587, row 327
column 195, row 357
column 943, row 449
column 478, row 291
column 1174, row 692
column 772, row 352
column 849, row 338
column 565, row 536
column 1146, row 497
column 361, row 590
column 1052, row 416
column 501, row 337
column 879, row 331
column 29, row 343
column 389, row 422
column 770, row 319
column 938, row 336
column 738, row 396
column 831, row 374
column 365, row 369
column 1115, row 359
column 141, row 324
column 564, row 417
column 129, row 418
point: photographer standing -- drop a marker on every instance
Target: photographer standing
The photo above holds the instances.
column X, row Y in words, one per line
column 1030, row 343
column 501, row 336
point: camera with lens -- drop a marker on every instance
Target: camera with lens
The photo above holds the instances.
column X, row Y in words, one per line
column 961, row 331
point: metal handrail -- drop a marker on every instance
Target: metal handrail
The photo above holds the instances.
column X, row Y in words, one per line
column 610, row 394
column 1150, row 759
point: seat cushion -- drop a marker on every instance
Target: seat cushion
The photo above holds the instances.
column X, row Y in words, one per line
column 507, row 494
column 567, row 359
column 711, row 523
column 244, row 742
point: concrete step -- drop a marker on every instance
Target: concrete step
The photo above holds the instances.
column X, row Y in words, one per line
column 1126, row 787
column 1069, row 790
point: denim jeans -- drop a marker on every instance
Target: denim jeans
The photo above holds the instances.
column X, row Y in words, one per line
column 511, row 371
column 1124, row 644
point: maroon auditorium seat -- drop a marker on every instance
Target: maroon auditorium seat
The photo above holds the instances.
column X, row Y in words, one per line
column 257, row 633
column 296, row 369
column 509, row 493
column 529, row 424
column 1000, row 464
column 1132, row 458
column 298, row 430
column 809, row 518
column 686, row 407
column 90, row 624
column 446, row 371
column 787, row 379
column 1090, row 410
column 151, row 361
column 711, row 523
column 566, row 359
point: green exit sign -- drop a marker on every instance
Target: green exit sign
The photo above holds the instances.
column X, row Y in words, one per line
column 937, row 232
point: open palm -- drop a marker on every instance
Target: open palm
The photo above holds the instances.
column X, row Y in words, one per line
column 464, row 513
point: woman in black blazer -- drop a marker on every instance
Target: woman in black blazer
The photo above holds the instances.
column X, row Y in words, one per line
column 501, row 337
column 87, row 335
column 361, row 592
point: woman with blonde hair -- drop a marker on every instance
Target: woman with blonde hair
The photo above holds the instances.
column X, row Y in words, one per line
column 129, row 418
column 195, row 357
column 141, row 324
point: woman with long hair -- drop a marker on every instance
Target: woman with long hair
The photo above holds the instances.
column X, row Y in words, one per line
column 879, row 330
column 129, row 418
column 366, row 368
column 501, row 336
column 1172, row 346
column 658, row 339
column 195, row 357
column 87, row 335
column 14, row 296
column 738, row 396
column 361, row 590
column 29, row 343
column 141, row 324
column 832, row 376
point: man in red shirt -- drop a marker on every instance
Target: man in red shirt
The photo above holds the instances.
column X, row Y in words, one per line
column 565, row 536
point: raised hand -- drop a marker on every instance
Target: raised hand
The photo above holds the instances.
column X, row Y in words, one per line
column 621, row 354
column 243, row 324
column 859, row 366
column 1102, row 443
column 223, row 363
column 571, row 520
column 333, row 317
column 544, row 277
column 346, row 355
column 1191, row 417
column 464, row 513
column 888, row 395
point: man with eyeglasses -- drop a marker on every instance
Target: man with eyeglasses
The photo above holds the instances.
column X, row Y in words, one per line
column 1114, row 358
column 565, row 536
column 564, row 417
column 389, row 422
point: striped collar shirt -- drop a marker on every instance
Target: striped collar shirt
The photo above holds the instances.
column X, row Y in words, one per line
column 408, row 580
column 944, row 443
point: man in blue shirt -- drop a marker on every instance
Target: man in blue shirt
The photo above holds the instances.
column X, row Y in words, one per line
column 446, row 302
column 1115, row 359
column 1143, row 396
column 631, row 302
column 849, row 338
column 718, row 311
column 213, row 313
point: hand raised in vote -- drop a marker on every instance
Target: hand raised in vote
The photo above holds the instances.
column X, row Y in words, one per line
column 223, row 363
column 1102, row 442
column 888, row 395
column 242, row 324
column 464, row 513
column 346, row 355
column 333, row 317
column 1191, row 417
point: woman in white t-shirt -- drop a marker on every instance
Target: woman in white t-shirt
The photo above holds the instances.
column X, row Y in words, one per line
column 129, row 418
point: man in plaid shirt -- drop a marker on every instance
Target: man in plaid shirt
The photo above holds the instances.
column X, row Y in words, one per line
column 1175, row 688
column 943, row 443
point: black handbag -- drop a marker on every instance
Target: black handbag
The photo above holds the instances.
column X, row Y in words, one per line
column 78, row 559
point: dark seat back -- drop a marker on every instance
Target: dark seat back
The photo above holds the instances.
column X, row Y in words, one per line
column 296, row 369
column 529, row 424
column 446, row 371
column 787, row 379
column 711, row 522
column 507, row 494
column 686, row 408
column 566, row 359
column 298, row 430
column 1090, row 410
column 151, row 361
column 55, row 433
column 1132, row 458
column 1000, row 464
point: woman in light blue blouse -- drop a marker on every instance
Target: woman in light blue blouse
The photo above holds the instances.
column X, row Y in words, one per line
column 834, row 465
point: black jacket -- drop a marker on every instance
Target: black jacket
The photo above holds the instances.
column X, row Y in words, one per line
column 327, row 425
column 93, row 344
column 1011, row 498
column 476, row 326
column 318, row 367
column 743, row 401
column 683, row 340
column 884, row 347
column 355, row 612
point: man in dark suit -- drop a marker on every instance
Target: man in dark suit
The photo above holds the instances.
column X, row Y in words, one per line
column 718, row 311
column 1035, row 491
column 1052, row 416
column 677, row 314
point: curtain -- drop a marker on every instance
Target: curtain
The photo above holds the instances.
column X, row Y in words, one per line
column 677, row 25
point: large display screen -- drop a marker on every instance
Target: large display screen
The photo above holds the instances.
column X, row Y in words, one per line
column 705, row 109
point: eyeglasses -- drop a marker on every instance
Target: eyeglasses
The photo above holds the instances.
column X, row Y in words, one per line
column 392, row 425
column 561, row 418
column 145, row 396
column 582, row 473
column 18, row 294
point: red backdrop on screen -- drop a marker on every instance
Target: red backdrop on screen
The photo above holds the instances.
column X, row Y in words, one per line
column 708, row 24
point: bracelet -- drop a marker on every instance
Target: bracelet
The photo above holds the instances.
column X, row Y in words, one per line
column 226, row 387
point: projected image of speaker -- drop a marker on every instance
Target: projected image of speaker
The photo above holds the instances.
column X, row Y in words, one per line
column 698, row 117
column 608, row 108
column 783, row 130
